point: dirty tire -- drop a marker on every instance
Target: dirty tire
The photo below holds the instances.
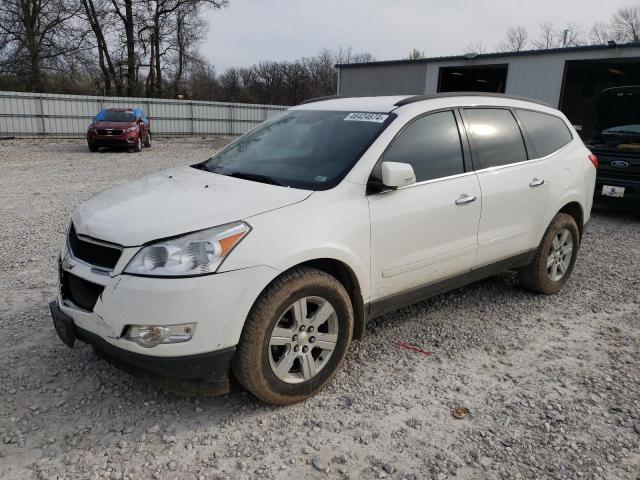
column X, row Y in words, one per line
column 147, row 140
column 92, row 148
column 535, row 276
column 251, row 366
column 138, row 145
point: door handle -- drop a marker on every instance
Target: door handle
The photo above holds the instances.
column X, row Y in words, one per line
column 536, row 183
column 465, row 199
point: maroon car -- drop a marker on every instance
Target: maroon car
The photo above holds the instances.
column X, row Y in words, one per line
column 119, row 127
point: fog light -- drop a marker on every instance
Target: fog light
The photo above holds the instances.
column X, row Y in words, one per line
column 149, row 336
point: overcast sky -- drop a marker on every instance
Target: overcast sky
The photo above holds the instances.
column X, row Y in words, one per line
column 249, row 31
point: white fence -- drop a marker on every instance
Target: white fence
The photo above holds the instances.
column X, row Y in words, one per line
column 34, row 114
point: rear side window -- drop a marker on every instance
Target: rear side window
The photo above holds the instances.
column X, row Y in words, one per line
column 497, row 137
column 431, row 145
column 548, row 133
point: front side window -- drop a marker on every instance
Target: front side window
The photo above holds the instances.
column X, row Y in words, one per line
column 309, row 149
column 431, row 145
column 548, row 133
column 497, row 137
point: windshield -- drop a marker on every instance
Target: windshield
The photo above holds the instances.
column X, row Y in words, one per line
column 309, row 149
column 119, row 117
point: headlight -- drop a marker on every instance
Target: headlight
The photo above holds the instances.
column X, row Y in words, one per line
column 91, row 130
column 131, row 129
column 149, row 336
column 198, row 253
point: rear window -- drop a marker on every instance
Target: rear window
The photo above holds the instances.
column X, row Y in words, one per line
column 497, row 137
column 548, row 133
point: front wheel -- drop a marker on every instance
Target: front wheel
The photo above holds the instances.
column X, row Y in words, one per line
column 147, row 140
column 137, row 147
column 295, row 338
column 554, row 260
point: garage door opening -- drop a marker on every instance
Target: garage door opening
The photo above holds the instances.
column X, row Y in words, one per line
column 584, row 79
column 484, row 78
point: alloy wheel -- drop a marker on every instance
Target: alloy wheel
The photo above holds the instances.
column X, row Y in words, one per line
column 303, row 340
column 559, row 257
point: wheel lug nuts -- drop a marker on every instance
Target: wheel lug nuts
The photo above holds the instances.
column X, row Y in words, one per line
column 310, row 329
column 302, row 328
column 294, row 338
column 312, row 340
column 296, row 348
column 304, row 349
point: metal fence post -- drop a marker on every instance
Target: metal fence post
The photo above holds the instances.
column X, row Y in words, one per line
column 44, row 127
column 193, row 121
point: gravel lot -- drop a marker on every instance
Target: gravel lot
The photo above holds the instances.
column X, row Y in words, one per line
column 552, row 383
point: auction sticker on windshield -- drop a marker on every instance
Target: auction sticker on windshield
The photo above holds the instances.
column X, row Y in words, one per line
column 366, row 117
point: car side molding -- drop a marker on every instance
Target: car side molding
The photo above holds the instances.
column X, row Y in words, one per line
column 388, row 304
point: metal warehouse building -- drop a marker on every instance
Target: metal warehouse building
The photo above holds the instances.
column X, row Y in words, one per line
column 565, row 78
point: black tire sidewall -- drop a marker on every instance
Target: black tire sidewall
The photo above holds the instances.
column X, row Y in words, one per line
column 562, row 222
column 344, row 315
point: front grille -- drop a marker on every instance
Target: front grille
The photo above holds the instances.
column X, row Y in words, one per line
column 93, row 253
column 80, row 292
column 109, row 132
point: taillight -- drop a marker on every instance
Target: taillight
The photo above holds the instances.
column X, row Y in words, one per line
column 593, row 159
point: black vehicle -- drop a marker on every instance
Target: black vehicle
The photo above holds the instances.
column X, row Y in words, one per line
column 617, row 143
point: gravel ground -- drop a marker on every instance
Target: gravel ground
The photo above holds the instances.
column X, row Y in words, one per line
column 551, row 383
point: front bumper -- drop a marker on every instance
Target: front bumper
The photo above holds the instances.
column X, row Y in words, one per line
column 218, row 304
column 211, row 368
column 125, row 140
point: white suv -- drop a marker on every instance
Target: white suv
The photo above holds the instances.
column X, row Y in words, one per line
column 269, row 258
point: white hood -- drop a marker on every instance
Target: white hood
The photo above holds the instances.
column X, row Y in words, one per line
column 176, row 201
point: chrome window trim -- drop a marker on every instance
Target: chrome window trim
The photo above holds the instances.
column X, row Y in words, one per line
column 531, row 160
column 435, row 180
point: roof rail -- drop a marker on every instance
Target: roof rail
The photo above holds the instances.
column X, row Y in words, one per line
column 420, row 98
column 321, row 99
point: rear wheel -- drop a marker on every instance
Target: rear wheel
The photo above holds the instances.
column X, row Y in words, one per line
column 554, row 260
column 295, row 338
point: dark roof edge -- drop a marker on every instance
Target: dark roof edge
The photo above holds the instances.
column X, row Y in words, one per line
column 467, row 57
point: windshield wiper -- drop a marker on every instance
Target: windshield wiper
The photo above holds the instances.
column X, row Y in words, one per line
column 256, row 177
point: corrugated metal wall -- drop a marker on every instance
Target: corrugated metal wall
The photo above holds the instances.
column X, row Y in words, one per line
column 406, row 79
column 537, row 76
column 32, row 114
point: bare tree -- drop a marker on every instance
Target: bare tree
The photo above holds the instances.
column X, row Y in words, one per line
column 170, row 20
column 549, row 37
column 475, row 47
column 515, row 40
column 96, row 13
column 626, row 23
column 125, row 12
column 38, row 36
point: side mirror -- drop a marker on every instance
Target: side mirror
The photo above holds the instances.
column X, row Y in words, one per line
column 395, row 174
